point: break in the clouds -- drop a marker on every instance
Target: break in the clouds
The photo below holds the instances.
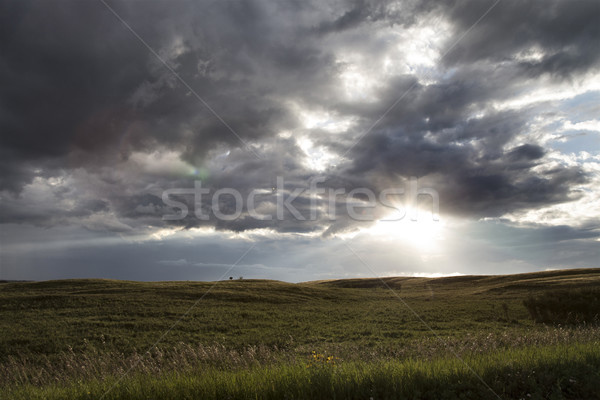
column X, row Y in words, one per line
column 493, row 105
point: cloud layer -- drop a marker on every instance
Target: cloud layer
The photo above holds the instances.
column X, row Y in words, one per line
column 93, row 127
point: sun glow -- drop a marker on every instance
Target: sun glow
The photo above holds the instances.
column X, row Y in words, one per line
column 423, row 233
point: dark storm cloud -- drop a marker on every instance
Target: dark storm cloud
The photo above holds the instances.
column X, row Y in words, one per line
column 468, row 164
column 526, row 152
column 80, row 96
column 62, row 87
column 74, row 80
column 565, row 32
column 356, row 13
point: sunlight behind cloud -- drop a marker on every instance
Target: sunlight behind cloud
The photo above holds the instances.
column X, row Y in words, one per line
column 423, row 234
column 318, row 158
column 358, row 84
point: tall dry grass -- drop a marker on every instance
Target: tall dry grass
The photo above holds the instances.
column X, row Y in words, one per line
column 94, row 363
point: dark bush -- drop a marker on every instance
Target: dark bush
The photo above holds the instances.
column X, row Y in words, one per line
column 565, row 306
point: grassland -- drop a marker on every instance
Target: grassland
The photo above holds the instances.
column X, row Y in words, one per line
column 255, row 339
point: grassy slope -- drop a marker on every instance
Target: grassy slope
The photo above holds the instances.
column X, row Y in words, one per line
column 349, row 317
column 47, row 317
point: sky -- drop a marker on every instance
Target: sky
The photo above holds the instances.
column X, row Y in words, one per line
column 298, row 140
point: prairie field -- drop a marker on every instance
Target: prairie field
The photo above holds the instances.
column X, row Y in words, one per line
column 395, row 338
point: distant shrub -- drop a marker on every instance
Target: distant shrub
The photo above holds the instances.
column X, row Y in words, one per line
column 565, row 306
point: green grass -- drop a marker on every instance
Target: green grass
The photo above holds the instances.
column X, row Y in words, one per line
column 58, row 333
column 555, row 372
